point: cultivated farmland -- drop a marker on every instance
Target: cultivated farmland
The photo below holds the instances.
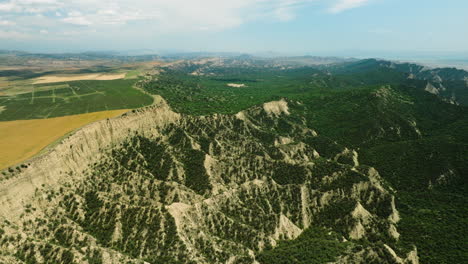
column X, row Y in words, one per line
column 22, row 139
column 79, row 77
column 70, row 98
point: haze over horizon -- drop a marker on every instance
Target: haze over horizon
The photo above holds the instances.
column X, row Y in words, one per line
column 378, row 28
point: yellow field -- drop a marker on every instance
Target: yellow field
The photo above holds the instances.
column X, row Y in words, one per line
column 79, row 77
column 22, row 139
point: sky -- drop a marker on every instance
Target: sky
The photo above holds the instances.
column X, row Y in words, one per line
column 308, row 27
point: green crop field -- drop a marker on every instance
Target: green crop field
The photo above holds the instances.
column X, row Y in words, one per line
column 75, row 97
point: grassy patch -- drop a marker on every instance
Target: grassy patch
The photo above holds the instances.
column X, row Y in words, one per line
column 132, row 74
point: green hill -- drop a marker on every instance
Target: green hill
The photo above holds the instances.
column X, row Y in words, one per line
column 416, row 140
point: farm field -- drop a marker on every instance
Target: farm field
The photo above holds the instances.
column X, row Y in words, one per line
column 38, row 108
column 22, row 139
column 14, row 81
column 70, row 98
column 79, row 77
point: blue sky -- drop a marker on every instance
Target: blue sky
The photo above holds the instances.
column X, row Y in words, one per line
column 322, row 27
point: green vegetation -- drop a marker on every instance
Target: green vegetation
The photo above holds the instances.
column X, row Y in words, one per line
column 132, row 74
column 210, row 93
column 410, row 136
column 314, row 245
column 417, row 142
column 384, row 128
column 286, row 173
column 430, row 176
column 196, row 177
column 76, row 98
column 435, row 221
column 203, row 95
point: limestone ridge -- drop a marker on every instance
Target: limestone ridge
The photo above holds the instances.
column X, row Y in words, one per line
column 155, row 186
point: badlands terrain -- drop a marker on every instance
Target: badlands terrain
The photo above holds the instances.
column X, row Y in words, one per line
column 232, row 159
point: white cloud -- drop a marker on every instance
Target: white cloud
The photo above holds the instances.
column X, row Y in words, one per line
column 77, row 20
column 343, row 5
column 13, row 35
column 165, row 15
column 154, row 17
column 7, row 23
column 286, row 10
column 6, row 7
column 29, row 6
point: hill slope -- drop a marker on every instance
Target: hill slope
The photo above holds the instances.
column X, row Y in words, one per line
column 360, row 164
column 165, row 188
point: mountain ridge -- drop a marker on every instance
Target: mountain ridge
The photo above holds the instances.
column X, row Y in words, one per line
column 145, row 123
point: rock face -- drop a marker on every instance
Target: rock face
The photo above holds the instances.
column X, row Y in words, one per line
column 154, row 186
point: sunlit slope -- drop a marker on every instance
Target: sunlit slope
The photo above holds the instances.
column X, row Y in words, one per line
column 22, row 139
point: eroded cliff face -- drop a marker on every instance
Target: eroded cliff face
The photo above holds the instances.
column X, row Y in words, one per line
column 157, row 187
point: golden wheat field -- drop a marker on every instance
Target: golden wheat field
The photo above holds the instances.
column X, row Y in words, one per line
column 79, row 77
column 22, row 139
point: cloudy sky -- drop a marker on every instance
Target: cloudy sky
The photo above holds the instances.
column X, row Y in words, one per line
column 331, row 27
